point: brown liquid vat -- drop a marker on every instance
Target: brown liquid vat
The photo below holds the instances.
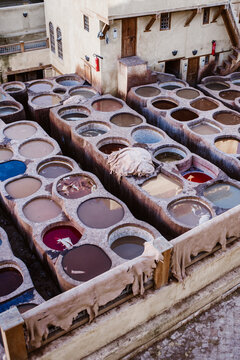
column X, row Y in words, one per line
column 75, row 186
column 147, row 91
column 188, row 93
column 184, row 115
column 205, row 128
column 5, row 154
column 23, row 187
column 126, row 120
column 204, row 104
column 51, row 169
column 217, row 86
column 229, row 94
column 107, row 105
column 10, row 280
column 162, row 186
column 169, row 154
column 92, row 129
column 74, row 113
column 228, row 145
column 35, row 149
column 41, row 209
column 164, row 104
column 227, row 118
column 86, row 92
column 46, row 100
column 20, row 131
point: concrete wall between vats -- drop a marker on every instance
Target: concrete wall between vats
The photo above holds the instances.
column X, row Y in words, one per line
column 13, row 24
column 121, row 330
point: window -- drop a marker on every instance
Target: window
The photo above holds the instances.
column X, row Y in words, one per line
column 206, row 59
column 165, row 21
column 52, row 38
column 59, row 43
column 206, row 13
column 86, row 22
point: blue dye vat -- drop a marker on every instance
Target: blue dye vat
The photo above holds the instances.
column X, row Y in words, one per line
column 19, row 300
column 146, row 136
column 0, row 242
column 11, row 168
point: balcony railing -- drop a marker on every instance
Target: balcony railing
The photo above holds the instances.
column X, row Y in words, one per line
column 23, row 46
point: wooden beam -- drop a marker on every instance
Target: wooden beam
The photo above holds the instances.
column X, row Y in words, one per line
column 161, row 273
column 190, row 18
column 104, row 30
column 217, row 14
column 150, row 23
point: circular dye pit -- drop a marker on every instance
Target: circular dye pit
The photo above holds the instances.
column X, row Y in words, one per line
column 36, row 149
column 46, row 100
column 20, row 131
column 227, row 118
column 146, row 136
column 85, row 262
column 23, row 187
column 147, row 91
column 59, row 91
column 126, row 120
column 40, row 86
column 164, row 104
column 205, row 128
column 189, row 212
column 13, row 88
column 184, row 115
column 204, row 104
column 217, row 86
column 228, row 145
column 74, row 116
column 8, row 110
column 41, row 209
column 10, row 280
column 229, row 94
column 11, row 168
column 223, row 195
column 128, row 247
column 168, row 155
column 107, row 105
column 100, row 213
column 196, row 176
column 236, row 82
column 171, row 87
column 188, row 93
column 68, row 81
column 86, row 93
column 61, row 237
column 5, row 154
column 162, row 187
column 75, row 186
column 109, row 148
column 92, row 129
column 53, row 169
column 25, row 307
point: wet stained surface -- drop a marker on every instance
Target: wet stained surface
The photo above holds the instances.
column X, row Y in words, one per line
column 214, row 335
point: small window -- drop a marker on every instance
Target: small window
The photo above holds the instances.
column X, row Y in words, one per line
column 59, row 43
column 52, row 37
column 86, row 22
column 165, row 21
column 206, row 13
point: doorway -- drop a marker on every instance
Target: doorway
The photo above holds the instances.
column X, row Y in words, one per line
column 129, row 37
column 192, row 72
column 173, row 67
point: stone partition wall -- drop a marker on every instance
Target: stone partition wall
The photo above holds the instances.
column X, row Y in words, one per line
column 201, row 123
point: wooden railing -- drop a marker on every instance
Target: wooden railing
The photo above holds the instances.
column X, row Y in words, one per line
column 23, row 46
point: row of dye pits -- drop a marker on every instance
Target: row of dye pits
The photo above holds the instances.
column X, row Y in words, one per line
column 213, row 124
column 226, row 88
column 97, row 212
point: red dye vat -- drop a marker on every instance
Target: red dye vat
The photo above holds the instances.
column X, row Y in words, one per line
column 198, row 177
column 61, row 238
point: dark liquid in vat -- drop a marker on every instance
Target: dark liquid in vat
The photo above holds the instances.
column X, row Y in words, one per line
column 92, row 132
column 227, row 118
column 229, row 94
column 217, row 86
column 147, row 91
column 128, row 247
column 168, row 156
column 7, row 110
column 188, row 93
column 204, row 105
column 100, row 213
column 126, row 120
column 10, row 280
column 13, row 88
column 170, row 87
column 109, row 148
column 86, row 262
column 74, row 116
column 74, row 187
column 184, row 115
column 25, row 307
column 107, row 105
column 164, row 104
column 54, row 169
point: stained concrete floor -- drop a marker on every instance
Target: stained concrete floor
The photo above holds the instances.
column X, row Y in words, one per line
column 213, row 335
